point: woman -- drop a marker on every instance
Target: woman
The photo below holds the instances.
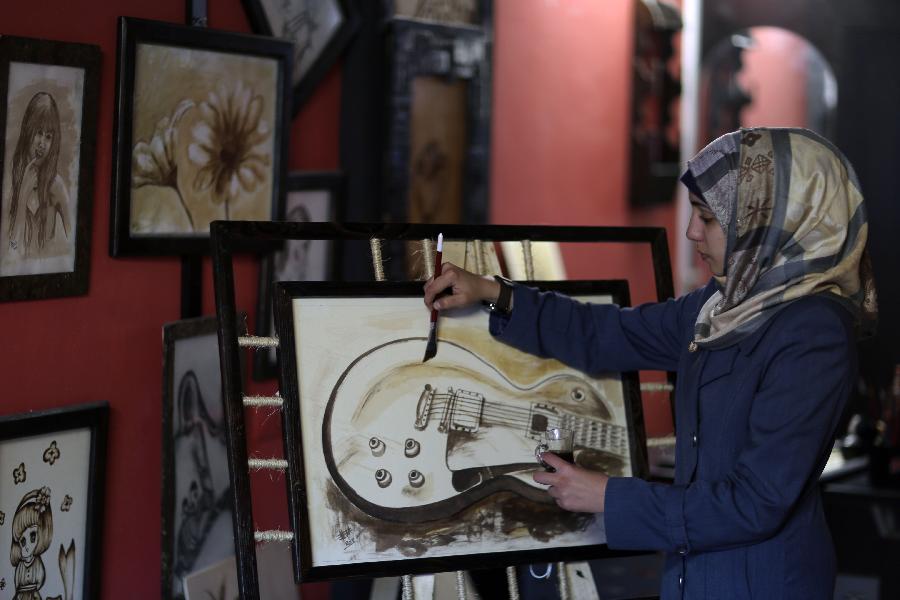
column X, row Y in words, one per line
column 765, row 357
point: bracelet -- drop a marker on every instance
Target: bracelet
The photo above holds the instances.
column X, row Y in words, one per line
column 501, row 304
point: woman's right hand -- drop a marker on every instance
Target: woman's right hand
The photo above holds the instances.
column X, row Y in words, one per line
column 457, row 288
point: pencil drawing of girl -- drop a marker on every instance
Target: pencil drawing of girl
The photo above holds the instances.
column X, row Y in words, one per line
column 38, row 192
column 32, row 531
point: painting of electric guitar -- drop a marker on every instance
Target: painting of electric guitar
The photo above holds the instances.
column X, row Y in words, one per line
column 392, row 460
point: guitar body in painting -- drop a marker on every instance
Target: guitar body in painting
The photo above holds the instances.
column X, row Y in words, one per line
column 413, row 442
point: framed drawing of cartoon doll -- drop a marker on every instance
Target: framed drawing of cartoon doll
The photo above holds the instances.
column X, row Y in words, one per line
column 52, row 465
column 48, row 116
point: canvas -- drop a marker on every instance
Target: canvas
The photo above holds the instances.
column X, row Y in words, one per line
column 402, row 462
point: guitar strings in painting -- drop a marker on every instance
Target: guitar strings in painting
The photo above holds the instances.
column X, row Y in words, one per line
column 405, row 460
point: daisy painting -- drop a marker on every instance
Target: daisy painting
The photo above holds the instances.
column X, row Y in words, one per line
column 207, row 150
column 205, row 140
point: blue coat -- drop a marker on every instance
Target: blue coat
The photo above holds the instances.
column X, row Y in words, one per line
column 755, row 425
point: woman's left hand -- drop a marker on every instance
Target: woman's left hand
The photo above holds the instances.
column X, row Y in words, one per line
column 574, row 488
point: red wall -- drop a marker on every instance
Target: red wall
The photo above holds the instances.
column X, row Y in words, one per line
column 775, row 75
column 562, row 105
column 561, row 108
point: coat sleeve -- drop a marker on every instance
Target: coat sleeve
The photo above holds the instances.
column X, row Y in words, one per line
column 805, row 381
column 596, row 338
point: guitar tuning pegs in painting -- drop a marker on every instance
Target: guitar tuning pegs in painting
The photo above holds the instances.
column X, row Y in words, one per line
column 376, row 446
column 411, row 448
column 383, row 477
column 416, row 479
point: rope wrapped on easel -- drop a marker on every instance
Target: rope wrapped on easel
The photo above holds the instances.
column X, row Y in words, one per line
column 512, row 583
column 428, row 258
column 460, row 585
column 407, row 587
column 377, row 262
column 563, row 576
column 529, row 260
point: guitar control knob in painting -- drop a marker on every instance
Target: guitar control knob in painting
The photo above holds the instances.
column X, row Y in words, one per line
column 377, row 446
column 411, row 448
column 416, row 479
column 383, row 477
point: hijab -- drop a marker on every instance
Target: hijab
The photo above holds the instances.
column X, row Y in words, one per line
column 795, row 225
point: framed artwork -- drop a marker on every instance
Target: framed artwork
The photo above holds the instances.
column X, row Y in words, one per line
column 200, row 132
column 220, row 579
column 53, row 469
column 48, row 116
column 319, row 30
column 311, row 197
column 197, row 529
column 655, row 163
column 459, row 12
column 398, row 466
column 439, row 101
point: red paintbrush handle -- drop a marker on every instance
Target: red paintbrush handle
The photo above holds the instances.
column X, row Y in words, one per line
column 437, row 272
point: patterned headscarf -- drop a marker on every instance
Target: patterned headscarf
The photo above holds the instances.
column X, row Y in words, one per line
column 794, row 222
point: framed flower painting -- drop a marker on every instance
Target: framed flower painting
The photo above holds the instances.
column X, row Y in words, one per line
column 200, row 132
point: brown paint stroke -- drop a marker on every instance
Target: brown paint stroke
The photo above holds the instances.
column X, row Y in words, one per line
column 503, row 515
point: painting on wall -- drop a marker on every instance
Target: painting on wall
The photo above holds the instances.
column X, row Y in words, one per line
column 201, row 134
column 311, row 197
column 399, row 466
column 48, row 116
column 460, row 12
column 438, row 122
column 197, row 528
column 318, row 29
column 52, row 474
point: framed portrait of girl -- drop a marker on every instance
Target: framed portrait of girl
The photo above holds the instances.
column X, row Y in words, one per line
column 48, row 103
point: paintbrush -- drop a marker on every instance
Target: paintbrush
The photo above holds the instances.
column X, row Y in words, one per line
column 431, row 348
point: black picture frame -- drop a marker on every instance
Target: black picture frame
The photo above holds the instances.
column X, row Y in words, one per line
column 325, row 253
column 341, row 511
column 49, row 74
column 324, row 53
column 193, row 430
column 43, row 443
column 190, row 184
column 453, row 54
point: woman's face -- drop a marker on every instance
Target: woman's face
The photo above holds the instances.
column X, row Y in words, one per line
column 41, row 143
column 27, row 542
column 706, row 233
